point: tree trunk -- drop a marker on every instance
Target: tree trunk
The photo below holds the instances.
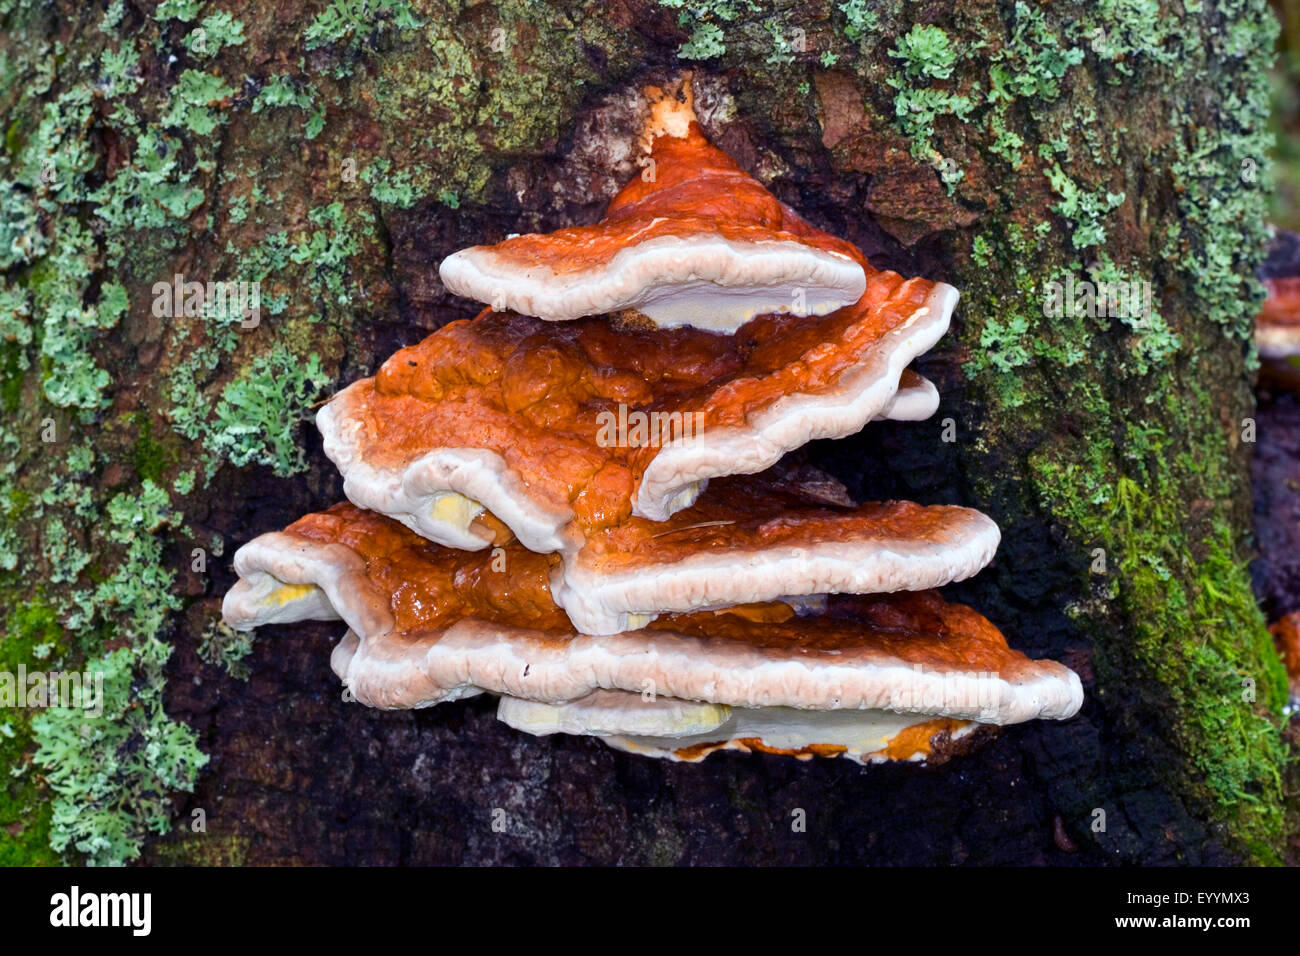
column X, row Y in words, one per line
column 336, row 158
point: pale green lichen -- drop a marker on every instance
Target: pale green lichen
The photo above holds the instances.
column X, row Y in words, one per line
column 861, row 20
column 119, row 71
column 283, row 90
column 71, row 243
column 111, row 774
column 216, row 31
column 227, row 648
column 185, row 10
column 351, row 26
column 183, row 484
column 195, row 102
column 257, row 414
column 1032, row 63
column 391, row 187
column 1085, row 210
column 705, row 19
column 926, row 54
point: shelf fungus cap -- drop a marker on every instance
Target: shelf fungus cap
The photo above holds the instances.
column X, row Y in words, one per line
column 747, row 541
column 841, row 403
column 916, row 400
column 692, row 240
column 843, row 660
column 552, row 429
column 429, row 624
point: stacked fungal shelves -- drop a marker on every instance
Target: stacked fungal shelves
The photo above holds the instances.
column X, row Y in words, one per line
column 574, row 500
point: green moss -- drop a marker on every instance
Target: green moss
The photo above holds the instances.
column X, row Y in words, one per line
column 1147, row 467
column 152, row 458
column 1191, row 625
column 31, row 634
column 204, row 849
column 1201, row 636
column 12, row 360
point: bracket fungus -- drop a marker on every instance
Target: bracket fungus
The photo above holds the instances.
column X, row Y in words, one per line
column 693, row 240
column 576, row 500
column 685, row 731
column 559, row 429
column 746, row 541
column 429, row 624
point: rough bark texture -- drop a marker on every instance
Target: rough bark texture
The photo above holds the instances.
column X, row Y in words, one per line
column 999, row 146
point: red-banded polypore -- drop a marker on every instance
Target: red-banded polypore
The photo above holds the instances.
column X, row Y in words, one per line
column 558, row 429
column 693, row 240
column 749, row 541
column 578, row 511
column 429, row 624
